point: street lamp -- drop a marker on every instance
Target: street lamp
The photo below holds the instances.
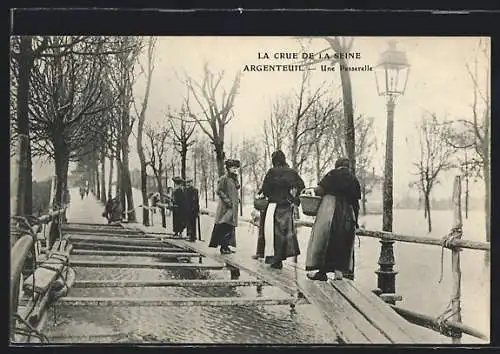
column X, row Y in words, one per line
column 391, row 77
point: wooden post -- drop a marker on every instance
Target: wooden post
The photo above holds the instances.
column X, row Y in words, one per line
column 455, row 258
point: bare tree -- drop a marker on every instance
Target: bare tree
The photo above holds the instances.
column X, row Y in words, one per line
column 157, row 145
column 327, row 134
column 202, row 156
column 435, row 157
column 123, row 79
column 215, row 113
column 300, row 126
column 253, row 162
column 67, row 108
column 182, row 129
column 474, row 134
column 140, row 126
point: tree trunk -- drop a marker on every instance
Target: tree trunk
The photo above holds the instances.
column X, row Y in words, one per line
column 61, row 157
column 206, row 191
column 144, row 175
column 127, row 185
column 24, row 192
column 318, row 158
column 103, row 179
column 428, row 208
column 213, row 188
column 183, row 161
column 194, row 169
column 110, row 182
column 219, row 158
column 97, row 179
column 350, row 141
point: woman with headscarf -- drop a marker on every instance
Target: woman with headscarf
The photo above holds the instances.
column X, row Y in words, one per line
column 281, row 187
column 331, row 245
column 226, row 216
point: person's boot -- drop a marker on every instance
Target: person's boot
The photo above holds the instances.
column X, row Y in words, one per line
column 318, row 276
column 225, row 250
column 257, row 256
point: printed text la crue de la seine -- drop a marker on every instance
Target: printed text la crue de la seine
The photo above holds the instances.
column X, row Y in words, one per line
column 295, row 61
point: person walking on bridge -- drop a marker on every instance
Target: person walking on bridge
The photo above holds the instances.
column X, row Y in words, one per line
column 331, row 245
column 281, row 186
column 226, row 216
column 192, row 209
column 178, row 207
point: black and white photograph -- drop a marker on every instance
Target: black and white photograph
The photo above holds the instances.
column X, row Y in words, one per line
column 250, row 190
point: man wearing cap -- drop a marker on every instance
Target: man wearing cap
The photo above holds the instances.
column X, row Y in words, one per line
column 192, row 209
column 178, row 207
column 226, row 216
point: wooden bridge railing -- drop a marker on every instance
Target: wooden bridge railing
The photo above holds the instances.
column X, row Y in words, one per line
column 449, row 322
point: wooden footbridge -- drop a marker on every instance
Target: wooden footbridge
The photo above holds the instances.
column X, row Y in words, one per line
column 357, row 316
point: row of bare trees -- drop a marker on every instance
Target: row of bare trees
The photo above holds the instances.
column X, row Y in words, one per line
column 71, row 100
column 461, row 144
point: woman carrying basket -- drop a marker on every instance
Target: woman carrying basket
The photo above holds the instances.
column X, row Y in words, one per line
column 331, row 244
column 281, row 186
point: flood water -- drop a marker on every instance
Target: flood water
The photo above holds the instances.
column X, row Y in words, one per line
column 419, row 281
column 184, row 324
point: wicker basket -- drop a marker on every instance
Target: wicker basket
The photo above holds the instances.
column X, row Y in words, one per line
column 309, row 202
column 260, row 203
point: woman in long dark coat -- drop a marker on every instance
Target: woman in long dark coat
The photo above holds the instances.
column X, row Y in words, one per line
column 178, row 207
column 226, row 216
column 281, row 186
column 331, row 244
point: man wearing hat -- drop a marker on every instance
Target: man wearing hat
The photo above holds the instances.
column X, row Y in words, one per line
column 178, row 207
column 226, row 216
column 192, row 208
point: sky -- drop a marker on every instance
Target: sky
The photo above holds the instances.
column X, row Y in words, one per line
column 438, row 82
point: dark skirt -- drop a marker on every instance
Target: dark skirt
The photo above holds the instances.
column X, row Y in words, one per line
column 223, row 235
column 178, row 220
column 331, row 244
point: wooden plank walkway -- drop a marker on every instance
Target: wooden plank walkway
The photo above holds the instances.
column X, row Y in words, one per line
column 357, row 316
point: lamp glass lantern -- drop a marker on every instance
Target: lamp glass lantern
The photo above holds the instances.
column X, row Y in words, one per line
column 391, row 72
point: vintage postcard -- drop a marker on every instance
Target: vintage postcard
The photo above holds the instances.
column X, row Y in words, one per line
column 250, row 190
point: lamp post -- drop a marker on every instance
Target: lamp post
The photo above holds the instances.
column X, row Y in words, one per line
column 391, row 77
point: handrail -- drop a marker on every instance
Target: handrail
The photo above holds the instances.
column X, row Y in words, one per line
column 19, row 253
column 476, row 245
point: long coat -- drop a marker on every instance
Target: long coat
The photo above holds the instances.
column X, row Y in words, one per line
column 227, row 208
column 331, row 244
column 279, row 228
column 179, row 210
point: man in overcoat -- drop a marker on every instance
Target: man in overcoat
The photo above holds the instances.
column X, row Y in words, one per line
column 192, row 209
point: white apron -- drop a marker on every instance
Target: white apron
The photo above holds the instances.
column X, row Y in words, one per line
column 269, row 231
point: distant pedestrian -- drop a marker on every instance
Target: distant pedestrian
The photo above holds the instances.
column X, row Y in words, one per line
column 331, row 245
column 113, row 210
column 226, row 216
column 178, row 207
column 82, row 192
column 281, row 187
column 192, row 208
